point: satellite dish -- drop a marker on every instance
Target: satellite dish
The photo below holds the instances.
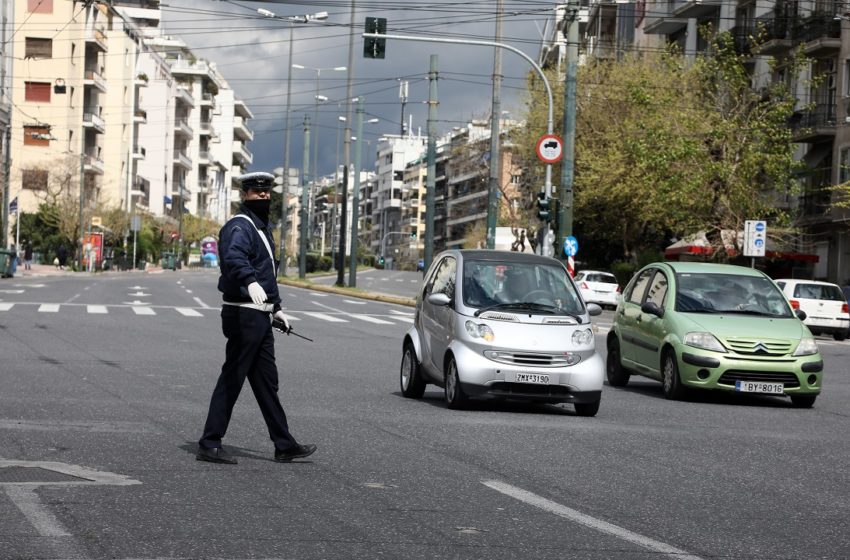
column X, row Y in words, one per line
column 278, row 171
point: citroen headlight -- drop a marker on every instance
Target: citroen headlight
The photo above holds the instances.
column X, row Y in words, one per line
column 583, row 337
column 807, row 347
column 476, row 330
column 704, row 340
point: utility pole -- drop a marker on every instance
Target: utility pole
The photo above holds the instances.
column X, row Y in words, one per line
column 495, row 115
column 7, row 141
column 343, row 219
column 305, row 201
column 285, row 192
column 82, row 199
column 355, row 199
column 565, row 219
column 402, row 94
column 431, row 175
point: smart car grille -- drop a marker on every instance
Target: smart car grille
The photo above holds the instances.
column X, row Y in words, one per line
column 538, row 359
column 526, row 389
column 731, row 376
column 759, row 346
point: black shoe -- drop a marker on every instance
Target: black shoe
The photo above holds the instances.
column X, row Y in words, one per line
column 215, row 455
column 297, row 452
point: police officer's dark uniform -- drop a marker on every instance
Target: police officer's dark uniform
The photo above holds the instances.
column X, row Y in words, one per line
column 248, row 268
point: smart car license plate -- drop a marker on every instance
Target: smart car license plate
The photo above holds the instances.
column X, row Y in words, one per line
column 532, row 378
column 759, row 387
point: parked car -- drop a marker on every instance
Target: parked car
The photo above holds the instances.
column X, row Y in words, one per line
column 598, row 287
column 824, row 303
column 502, row 325
column 712, row 326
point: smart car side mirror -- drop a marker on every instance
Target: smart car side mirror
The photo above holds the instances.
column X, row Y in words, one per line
column 652, row 308
column 593, row 309
column 801, row 315
column 439, row 299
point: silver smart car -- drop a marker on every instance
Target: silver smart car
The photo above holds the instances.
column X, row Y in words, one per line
column 498, row 324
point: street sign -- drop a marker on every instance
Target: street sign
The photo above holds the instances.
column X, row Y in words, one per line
column 13, row 206
column 755, row 238
column 570, row 246
column 96, row 221
column 550, row 148
column 136, row 223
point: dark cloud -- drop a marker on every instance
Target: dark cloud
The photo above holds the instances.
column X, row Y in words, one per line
column 251, row 51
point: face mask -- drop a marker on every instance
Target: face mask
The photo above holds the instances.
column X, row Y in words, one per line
column 259, row 207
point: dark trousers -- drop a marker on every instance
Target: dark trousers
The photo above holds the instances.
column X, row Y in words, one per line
column 249, row 353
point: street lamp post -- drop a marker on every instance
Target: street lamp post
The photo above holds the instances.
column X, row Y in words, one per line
column 355, row 196
column 340, row 119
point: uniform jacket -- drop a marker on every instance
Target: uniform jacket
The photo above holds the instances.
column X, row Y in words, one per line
column 244, row 259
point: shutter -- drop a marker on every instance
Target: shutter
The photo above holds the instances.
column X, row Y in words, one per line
column 37, row 47
column 37, row 91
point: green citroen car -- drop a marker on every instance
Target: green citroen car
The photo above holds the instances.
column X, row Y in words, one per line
column 712, row 326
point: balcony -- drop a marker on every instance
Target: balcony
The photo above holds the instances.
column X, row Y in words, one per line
column 241, row 131
column 391, row 203
column 93, row 164
column 180, row 189
column 774, row 34
column 183, row 95
column 207, row 128
column 97, row 38
column 181, row 126
column 207, row 99
column 93, row 78
column 665, row 22
column 139, row 152
column 697, row 8
column 816, row 125
column 821, row 34
column 814, row 203
column 204, row 157
column 182, row 160
column 241, row 152
column 91, row 119
column 140, row 116
column 204, row 186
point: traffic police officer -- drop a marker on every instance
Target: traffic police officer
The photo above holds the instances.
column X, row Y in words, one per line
column 248, row 283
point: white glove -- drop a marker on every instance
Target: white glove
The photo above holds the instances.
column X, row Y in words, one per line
column 283, row 319
column 257, row 293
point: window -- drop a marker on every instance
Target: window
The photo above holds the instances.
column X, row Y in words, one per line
column 36, row 136
column 398, row 175
column 37, row 91
column 37, row 47
column 34, row 179
column 658, row 289
column 40, row 6
column 516, row 179
column 444, row 278
column 844, row 166
column 637, row 289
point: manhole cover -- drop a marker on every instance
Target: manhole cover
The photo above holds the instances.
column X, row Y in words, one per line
column 35, row 474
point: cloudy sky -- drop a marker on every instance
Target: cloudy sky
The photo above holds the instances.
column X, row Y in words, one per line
column 252, row 53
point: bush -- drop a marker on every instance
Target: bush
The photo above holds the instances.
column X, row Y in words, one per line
column 325, row 262
column 623, row 271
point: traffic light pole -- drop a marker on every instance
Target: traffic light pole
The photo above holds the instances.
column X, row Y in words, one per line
column 305, row 201
column 565, row 195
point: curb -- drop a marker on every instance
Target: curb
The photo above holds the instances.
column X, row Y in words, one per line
column 351, row 292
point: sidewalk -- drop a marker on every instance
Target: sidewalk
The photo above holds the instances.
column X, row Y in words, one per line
column 38, row 270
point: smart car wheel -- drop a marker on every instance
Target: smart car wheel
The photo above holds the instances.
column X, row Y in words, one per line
column 455, row 398
column 803, row 401
column 617, row 376
column 672, row 385
column 412, row 385
column 587, row 409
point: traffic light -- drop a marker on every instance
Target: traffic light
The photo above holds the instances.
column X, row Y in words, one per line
column 413, row 234
column 374, row 47
column 381, row 261
column 544, row 207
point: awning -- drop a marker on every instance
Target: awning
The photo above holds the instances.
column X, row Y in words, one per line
column 697, row 245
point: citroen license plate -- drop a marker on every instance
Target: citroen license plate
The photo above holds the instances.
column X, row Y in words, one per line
column 532, row 378
column 760, row 387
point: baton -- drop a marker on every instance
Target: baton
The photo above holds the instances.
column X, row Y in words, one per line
column 278, row 326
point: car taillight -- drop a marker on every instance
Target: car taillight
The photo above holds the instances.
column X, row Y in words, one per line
column 795, row 304
column 584, row 286
column 618, row 289
column 844, row 308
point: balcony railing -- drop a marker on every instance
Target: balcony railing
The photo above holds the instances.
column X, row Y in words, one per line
column 92, row 77
column 182, row 126
column 92, row 119
column 185, row 96
column 93, row 163
column 821, row 115
column 204, row 156
column 207, row 128
column 139, row 152
column 815, row 202
column 818, row 26
column 97, row 37
column 741, row 37
column 182, row 159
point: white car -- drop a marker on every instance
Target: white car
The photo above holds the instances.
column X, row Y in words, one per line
column 598, row 287
column 824, row 305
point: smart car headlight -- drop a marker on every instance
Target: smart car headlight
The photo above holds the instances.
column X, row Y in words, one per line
column 704, row 340
column 480, row 330
column 583, row 337
column 807, row 347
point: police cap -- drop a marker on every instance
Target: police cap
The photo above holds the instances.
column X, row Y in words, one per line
column 259, row 180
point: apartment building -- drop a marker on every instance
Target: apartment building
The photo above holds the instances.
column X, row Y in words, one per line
column 6, row 29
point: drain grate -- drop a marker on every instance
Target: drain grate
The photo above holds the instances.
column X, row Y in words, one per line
column 35, row 474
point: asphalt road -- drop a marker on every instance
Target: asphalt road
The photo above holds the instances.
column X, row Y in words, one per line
column 389, row 282
column 100, row 408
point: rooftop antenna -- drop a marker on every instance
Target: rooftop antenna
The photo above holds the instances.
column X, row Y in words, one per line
column 402, row 94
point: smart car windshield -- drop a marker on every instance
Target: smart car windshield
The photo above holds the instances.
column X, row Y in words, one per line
column 535, row 286
column 729, row 293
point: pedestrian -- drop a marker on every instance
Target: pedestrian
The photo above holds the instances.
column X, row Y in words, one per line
column 28, row 256
column 248, row 283
column 62, row 255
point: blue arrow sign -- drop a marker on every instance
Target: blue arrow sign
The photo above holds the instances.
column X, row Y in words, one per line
column 760, row 226
column 570, row 246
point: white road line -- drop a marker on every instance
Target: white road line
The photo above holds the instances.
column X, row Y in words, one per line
column 202, row 304
column 370, row 319
column 317, row 294
column 397, row 312
column 11, row 291
column 588, row 521
column 324, row 317
column 399, row 279
column 354, row 302
column 188, row 312
column 403, row 319
column 188, row 291
column 384, row 279
column 143, row 311
column 49, row 308
column 97, row 309
column 26, row 500
column 6, row 306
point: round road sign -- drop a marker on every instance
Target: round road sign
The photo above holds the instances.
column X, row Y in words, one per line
column 550, row 148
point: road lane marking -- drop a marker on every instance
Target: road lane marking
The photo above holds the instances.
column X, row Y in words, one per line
column 11, row 291
column 6, row 306
column 324, row 317
column 26, row 500
column 100, row 309
column 354, row 302
column 402, row 318
column 29, row 285
column 318, row 294
column 397, row 312
column 367, row 318
column 188, row 312
column 143, row 311
column 188, row 291
column 588, row 521
column 202, row 304
column 49, row 308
